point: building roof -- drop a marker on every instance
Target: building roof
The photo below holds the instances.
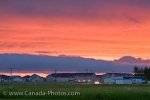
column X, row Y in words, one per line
column 34, row 76
column 99, row 76
column 118, row 74
column 71, row 74
column 5, row 77
column 135, row 77
column 28, row 76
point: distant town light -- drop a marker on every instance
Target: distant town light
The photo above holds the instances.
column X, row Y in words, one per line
column 84, row 80
column 89, row 80
column 97, row 82
column 79, row 80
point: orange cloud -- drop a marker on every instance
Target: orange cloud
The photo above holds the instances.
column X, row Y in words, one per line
column 115, row 31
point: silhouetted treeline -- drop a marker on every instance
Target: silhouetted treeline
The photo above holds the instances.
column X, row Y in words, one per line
column 142, row 71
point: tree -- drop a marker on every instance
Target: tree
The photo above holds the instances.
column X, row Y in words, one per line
column 140, row 71
column 136, row 71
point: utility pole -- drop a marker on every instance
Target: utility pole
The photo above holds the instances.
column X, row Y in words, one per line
column 11, row 73
column 87, row 70
column 55, row 75
column 10, row 78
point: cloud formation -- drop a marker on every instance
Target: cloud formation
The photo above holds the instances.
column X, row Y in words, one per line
column 88, row 28
column 74, row 9
column 29, row 63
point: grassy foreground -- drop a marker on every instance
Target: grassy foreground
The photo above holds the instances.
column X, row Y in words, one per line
column 87, row 92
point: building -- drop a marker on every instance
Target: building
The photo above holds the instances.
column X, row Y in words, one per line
column 109, row 78
column 4, row 79
column 17, row 79
column 26, row 78
column 60, row 77
column 36, row 79
column 85, row 78
column 109, row 75
column 8, row 79
column 98, row 79
column 138, row 79
column 125, row 80
column 33, row 79
column 71, row 77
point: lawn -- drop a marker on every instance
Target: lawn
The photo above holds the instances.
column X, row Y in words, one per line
column 78, row 92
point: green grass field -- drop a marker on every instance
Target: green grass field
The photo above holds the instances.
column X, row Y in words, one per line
column 87, row 92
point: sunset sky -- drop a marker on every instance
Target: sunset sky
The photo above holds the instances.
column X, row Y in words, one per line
column 101, row 29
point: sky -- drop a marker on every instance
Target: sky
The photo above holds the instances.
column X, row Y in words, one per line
column 100, row 29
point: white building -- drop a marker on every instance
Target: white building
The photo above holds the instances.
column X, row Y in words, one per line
column 138, row 80
column 116, row 78
column 124, row 80
column 109, row 81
